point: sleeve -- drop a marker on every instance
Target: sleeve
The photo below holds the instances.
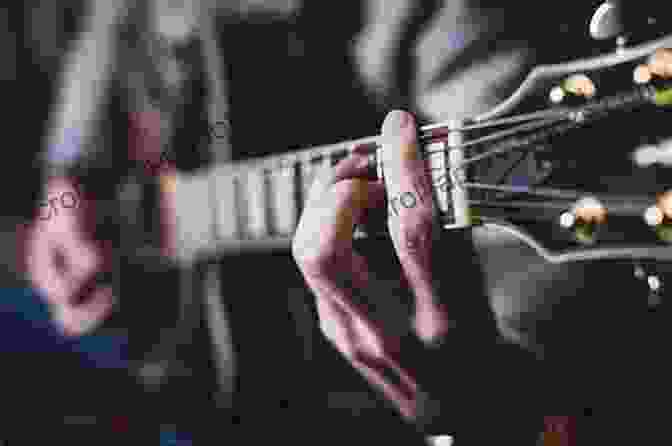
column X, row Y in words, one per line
column 59, row 68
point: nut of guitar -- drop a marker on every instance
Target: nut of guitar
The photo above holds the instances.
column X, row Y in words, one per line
column 584, row 219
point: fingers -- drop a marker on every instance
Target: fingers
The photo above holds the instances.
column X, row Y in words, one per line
column 335, row 325
column 322, row 245
column 78, row 319
column 42, row 269
column 411, row 218
column 337, row 201
column 403, row 396
column 354, row 166
column 359, row 342
column 63, row 262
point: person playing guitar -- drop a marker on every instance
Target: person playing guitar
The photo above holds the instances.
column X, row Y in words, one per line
column 458, row 395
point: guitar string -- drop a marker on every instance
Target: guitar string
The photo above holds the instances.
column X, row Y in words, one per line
column 541, row 114
column 329, row 153
column 618, row 208
column 504, row 133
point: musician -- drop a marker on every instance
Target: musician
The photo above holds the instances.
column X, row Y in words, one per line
column 439, row 61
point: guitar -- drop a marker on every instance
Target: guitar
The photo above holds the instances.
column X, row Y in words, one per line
column 573, row 164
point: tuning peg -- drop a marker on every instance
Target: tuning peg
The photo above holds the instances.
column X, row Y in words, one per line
column 660, row 63
column 607, row 21
column 642, row 74
column 659, row 216
column 576, row 86
column 621, row 20
column 654, row 282
column 584, row 219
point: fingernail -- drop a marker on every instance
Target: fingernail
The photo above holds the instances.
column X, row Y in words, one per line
column 395, row 120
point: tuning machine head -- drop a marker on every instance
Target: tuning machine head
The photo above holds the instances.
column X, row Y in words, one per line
column 624, row 21
column 658, row 66
column 655, row 283
column 575, row 89
column 659, row 217
column 584, row 219
column 608, row 22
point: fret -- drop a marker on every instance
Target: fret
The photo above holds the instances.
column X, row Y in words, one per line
column 283, row 203
column 307, row 171
column 194, row 228
column 253, row 201
column 256, row 203
column 227, row 216
column 439, row 174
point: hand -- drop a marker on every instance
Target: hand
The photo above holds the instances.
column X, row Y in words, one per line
column 323, row 248
column 63, row 261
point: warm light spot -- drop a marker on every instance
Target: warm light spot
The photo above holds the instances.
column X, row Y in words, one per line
column 642, row 74
column 665, row 204
column 660, row 63
column 580, row 85
column 168, row 182
column 590, row 210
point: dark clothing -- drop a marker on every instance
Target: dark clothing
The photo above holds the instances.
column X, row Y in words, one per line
column 326, row 71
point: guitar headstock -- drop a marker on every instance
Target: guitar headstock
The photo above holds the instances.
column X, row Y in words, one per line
column 576, row 163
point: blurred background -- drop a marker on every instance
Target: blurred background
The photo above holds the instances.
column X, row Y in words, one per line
column 142, row 103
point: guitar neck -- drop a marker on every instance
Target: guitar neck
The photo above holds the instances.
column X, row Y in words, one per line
column 255, row 204
column 249, row 205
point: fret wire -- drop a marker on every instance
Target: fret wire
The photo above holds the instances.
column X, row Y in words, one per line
column 255, row 182
column 238, row 206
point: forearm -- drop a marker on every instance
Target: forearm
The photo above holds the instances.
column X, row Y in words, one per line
column 84, row 83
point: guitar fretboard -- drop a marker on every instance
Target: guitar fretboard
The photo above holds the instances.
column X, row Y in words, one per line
column 256, row 203
column 251, row 203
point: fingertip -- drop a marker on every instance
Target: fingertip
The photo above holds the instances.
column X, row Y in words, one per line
column 399, row 135
column 399, row 123
column 396, row 120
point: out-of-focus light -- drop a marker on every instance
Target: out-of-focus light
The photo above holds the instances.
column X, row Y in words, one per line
column 580, row 85
column 567, row 220
column 440, row 440
column 642, row 74
column 557, row 94
column 654, row 283
column 653, row 216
